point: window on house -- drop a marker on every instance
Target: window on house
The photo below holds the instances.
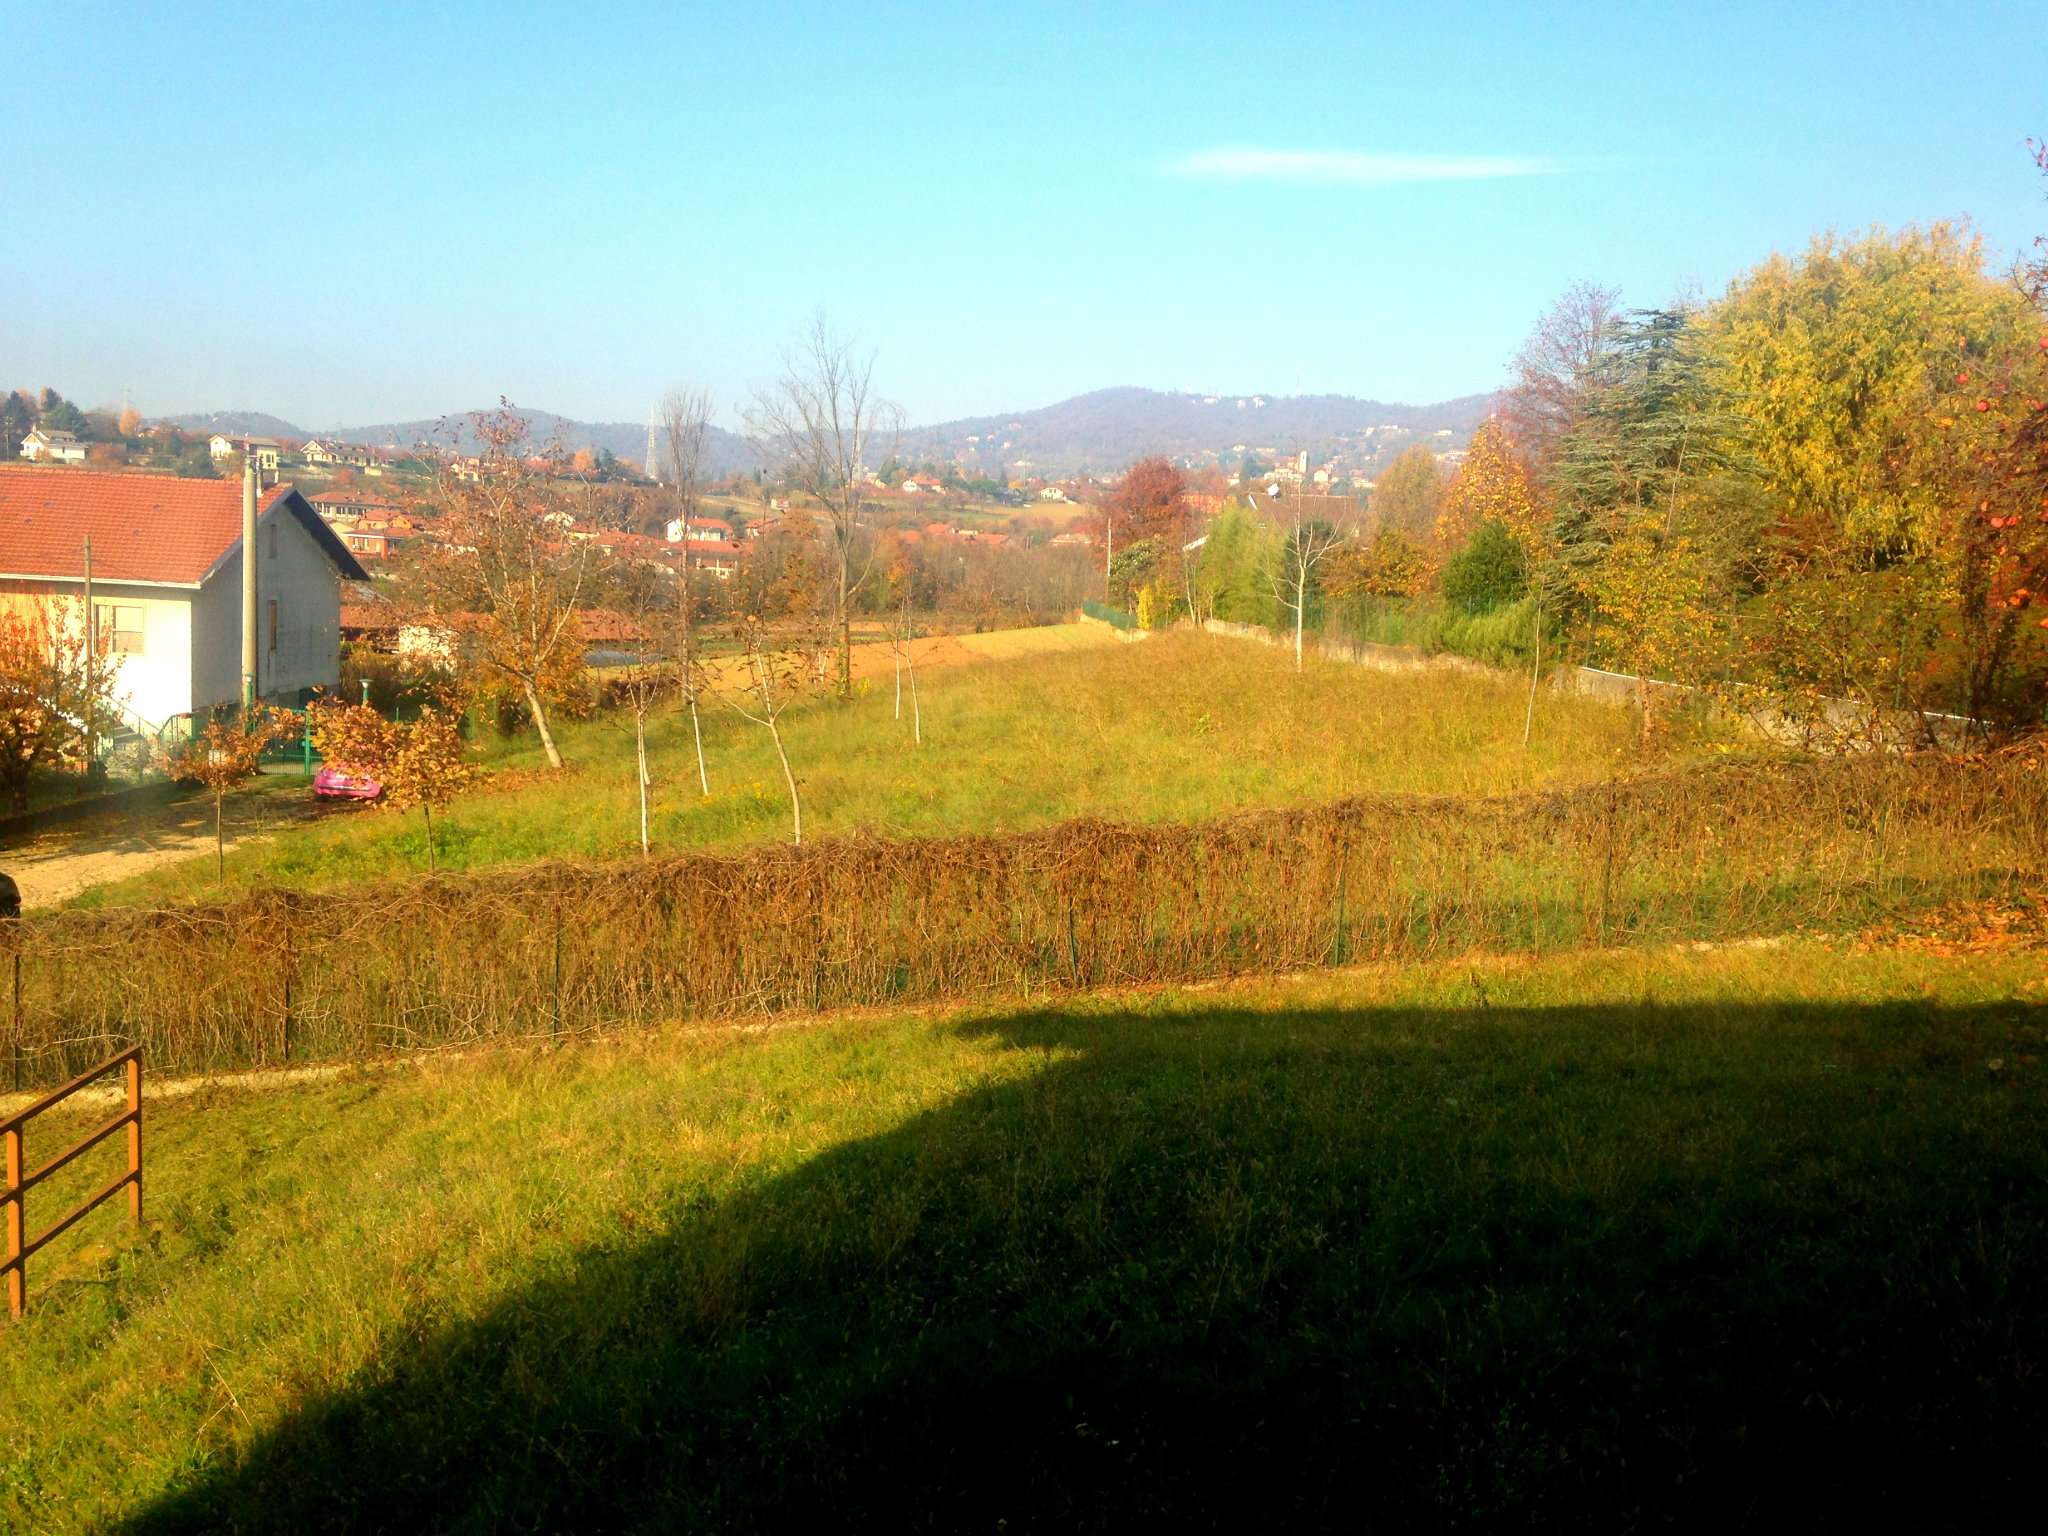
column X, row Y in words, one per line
column 270, row 540
column 271, row 605
column 122, row 625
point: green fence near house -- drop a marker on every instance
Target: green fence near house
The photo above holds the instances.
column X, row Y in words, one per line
column 1116, row 618
column 293, row 748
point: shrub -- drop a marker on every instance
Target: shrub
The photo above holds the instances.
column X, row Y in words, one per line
column 1489, row 571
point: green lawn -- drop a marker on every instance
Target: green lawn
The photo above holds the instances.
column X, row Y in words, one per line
column 1181, row 727
column 1752, row 1235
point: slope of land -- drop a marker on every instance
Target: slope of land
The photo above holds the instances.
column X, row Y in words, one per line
column 1598, row 1241
column 1182, row 727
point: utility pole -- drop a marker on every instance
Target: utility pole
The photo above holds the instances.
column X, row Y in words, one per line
column 1108, row 547
column 248, row 579
column 92, row 655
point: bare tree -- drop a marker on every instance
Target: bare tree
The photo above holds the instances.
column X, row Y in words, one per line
column 685, row 416
column 815, row 427
column 642, row 592
column 223, row 756
column 1555, row 368
column 1310, row 541
column 504, row 578
column 900, row 638
column 775, row 673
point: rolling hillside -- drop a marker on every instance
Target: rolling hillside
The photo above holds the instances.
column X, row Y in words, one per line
column 1101, row 431
column 1108, row 428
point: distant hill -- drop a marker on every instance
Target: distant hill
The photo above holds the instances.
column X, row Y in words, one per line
column 724, row 452
column 1109, row 428
column 236, row 424
column 1101, row 431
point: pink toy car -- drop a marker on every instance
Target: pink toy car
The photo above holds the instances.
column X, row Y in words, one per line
column 333, row 784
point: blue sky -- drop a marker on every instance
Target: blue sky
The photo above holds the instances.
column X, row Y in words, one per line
column 357, row 213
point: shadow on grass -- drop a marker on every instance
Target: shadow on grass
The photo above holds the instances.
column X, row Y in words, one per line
column 1486, row 1268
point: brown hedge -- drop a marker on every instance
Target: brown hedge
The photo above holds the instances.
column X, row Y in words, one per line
column 567, row 948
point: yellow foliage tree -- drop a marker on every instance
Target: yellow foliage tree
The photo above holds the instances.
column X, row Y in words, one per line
column 424, row 763
column 1491, row 484
column 1858, row 375
column 54, row 686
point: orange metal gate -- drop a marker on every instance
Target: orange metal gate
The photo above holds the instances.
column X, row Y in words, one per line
column 20, row 1248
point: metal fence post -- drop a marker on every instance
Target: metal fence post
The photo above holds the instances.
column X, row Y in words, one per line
column 17, row 1274
column 135, row 1138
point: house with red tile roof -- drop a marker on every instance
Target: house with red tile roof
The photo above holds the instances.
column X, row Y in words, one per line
column 714, row 557
column 371, row 526
column 367, row 543
column 167, row 582
column 714, row 530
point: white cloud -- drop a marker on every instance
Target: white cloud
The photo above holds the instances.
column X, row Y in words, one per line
column 1353, row 168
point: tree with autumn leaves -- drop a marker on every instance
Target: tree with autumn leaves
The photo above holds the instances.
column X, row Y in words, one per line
column 421, row 764
column 1827, row 485
column 1145, row 528
column 504, row 581
column 1983, row 443
column 224, row 755
column 1882, row 387
column 55, row 682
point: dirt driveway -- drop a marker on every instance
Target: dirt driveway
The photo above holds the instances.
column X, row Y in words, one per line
column 55, row 865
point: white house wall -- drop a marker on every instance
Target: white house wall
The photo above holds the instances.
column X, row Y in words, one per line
column 153, row 684
column 303, row 582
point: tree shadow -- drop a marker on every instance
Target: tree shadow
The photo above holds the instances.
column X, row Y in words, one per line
column 1475, row 1268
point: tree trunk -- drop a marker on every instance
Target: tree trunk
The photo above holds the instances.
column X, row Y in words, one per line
column 540, row 723
column 427, row 811
column 689, row 616
column 697, row 736
column 899, row 677
column 1535, row 671
column 1300, row 612
column 845, row 614
column 916, row 714
column 640, row 759
column 796, row 804
column 220, row 853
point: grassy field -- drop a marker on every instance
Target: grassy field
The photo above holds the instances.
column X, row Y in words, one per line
column 1747, row 1235
column 1059, row 723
